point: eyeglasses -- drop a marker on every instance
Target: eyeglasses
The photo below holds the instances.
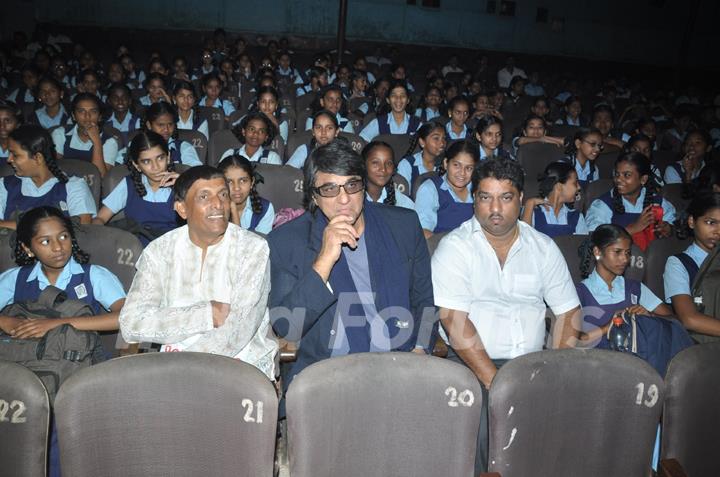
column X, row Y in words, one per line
column 353, row 186
column 595, row 145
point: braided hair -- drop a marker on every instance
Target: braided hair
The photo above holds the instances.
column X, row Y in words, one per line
column 37, row 140
column 331, row 117
column 555, row 173
column 244, row 163
column 603, row 236
column 27, row 228
column 266, row 90
column 271, row 129
column 703, row 202
column 467, row 146
column 158, row 109
column 390, row 186
column 142, row 142
column 422, row 133
column 642, row 165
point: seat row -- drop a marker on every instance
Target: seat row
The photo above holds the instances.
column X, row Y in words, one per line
column 560, row 413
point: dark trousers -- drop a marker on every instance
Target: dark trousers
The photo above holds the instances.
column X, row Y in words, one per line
column 483, row 439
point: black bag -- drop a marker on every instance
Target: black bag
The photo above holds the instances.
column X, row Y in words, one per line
column 137, row 229
column 63, row 350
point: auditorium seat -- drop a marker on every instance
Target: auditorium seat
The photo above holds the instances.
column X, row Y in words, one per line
column 401, row 184
column 595, row 189
column 657, row 255
column 691, row 416
column 297, row 139
column 355, row 141
column 220, row 142
column 24, row 422
column 282, row 185
column 197, row 140
column 399, row 143
column 571, row 412
column 569, row 245
column 398, row 414
column 180, row 414
column 419, row 180
column 214, row 116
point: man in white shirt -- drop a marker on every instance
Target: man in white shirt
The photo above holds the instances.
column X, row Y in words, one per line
column 505, row 75
column 492, row 277
column 204, row 286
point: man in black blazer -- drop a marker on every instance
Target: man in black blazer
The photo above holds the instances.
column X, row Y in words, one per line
column 349, row 275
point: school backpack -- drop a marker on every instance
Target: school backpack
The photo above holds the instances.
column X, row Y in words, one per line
column 706, row 291
column 63, row 350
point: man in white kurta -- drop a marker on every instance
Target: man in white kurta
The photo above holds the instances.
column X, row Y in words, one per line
column 191, row 294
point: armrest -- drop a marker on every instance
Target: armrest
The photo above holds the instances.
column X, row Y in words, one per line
column 440, row 350
column 490, row 474
column 671, row 468
column 288, row 351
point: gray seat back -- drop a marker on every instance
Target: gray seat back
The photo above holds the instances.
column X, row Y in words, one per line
column 181, row 414
column 214, row 116
column 297, row 139
column 534, row 158
column 574, row 412
column 419, row 180
column 595, row 189
column 399, row 143
column 605, row 162
column 657, row 255
column 197, row 140
column 691, row 415
column 283, row 186
column 673, row 193
column 401, row 184
column 7, row 249
column 117, row 250
column 355, row 141
column 374, row 414
column 569, row 244
column 434, row 240
column 220, row 142
column 85, row 170
column 24, row 422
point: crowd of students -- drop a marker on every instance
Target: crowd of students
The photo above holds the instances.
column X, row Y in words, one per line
column 60, row 103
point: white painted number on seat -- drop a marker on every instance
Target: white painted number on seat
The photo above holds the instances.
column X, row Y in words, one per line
column 652, row 395
column 18, row 408
column 465, row 398
column 249, row 408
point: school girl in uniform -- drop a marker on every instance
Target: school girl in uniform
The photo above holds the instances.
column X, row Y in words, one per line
column 268, row 103
column 358, row 89
column 247, row 208
column 48, row 254
column 185, row 100
column 572, row 111
column 430, row 105
column 394, row 119
column 156, row 87
column 88, row 81
column 161, row 118
column 331, row 99
column 603, row 118
column 550, row 213
column 380, row 165
column 488, row 134
column 85, row 140
column 10, row 119
column 696, row 148
column 212, row 87
column 458, row 112
column 644, row 145
column 52, row 113
column 582, row 151
column 24, row 94
column 630, row 203
column 119, row 98
column 445, row 201
column 325, row 128
column 534, row 129
column 256, row 132
column 703, row 223
column 38, row 180
column 317, row 79
column 604, row 292
column 432, row 140
column 146, row 194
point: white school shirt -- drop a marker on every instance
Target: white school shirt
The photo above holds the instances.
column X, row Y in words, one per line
column 506, row 305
